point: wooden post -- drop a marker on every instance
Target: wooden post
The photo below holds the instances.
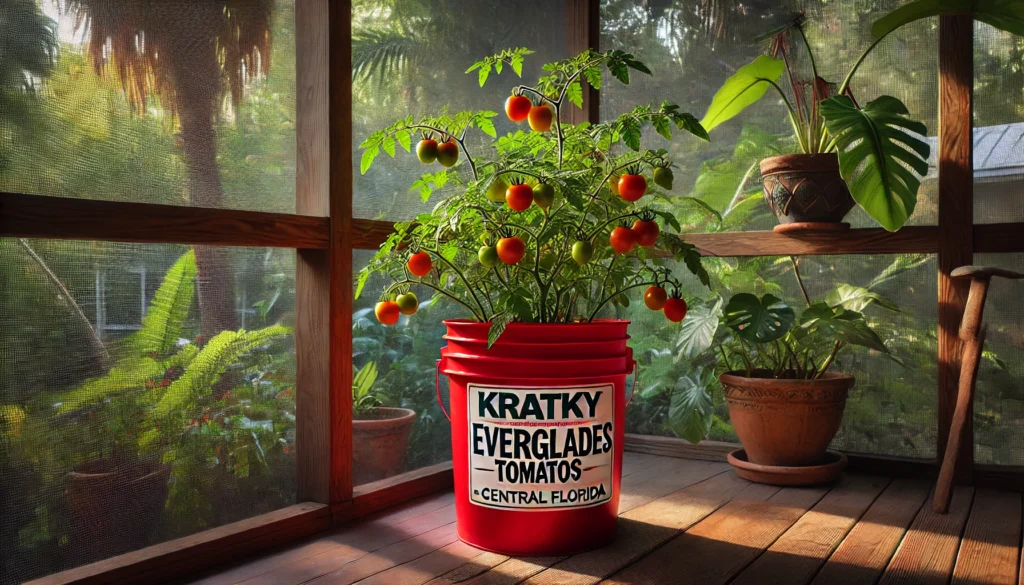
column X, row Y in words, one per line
column 584, row 32
column 340, row 252
column 956, row 217
column 312, row 270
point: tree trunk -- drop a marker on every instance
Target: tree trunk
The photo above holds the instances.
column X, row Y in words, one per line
column 196, row 78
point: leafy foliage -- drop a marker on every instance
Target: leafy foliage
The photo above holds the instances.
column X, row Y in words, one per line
column 578, row 161
column 875, row 151
column 511, row 57
column 744, row 88
column 164, row 321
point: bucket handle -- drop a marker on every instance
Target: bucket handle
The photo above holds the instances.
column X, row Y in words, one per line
column 636, row 375
column 437, row 389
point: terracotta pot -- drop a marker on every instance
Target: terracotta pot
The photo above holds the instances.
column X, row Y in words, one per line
column 117, row 503
column 803, row 188
column 379, row 439
column 786, row 422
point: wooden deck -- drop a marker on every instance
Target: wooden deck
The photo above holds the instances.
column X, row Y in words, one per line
column 684, row 522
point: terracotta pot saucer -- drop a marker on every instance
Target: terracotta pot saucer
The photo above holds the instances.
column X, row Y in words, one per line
column 827, row 472
column 799, row 227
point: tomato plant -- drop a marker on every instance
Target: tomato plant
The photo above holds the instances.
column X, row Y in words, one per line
column 573, row 254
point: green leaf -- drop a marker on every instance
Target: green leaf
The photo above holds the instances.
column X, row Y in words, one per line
column 484, row 73
column 389, row 145
column 593, row 77
column 699, row 328
column 840, row 324
column 1005, row 15
column 700, row 203
column 404, row 139
column 165, row 317
column 995, row 359
column 759, row 320
column 517, row 64
column 687, row 121
column 485, row 125
column 631, row 133
column 663, row 126
column 363, row 380
column 691, row 408
column 364, row 275
column 856, row 298
column 575, row 94
column 874, row 153
column 367, row 160
column 499, row 322
column 745, row 87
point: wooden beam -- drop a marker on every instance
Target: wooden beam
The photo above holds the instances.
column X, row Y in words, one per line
column 584, row 32
column 1000, row 238
column 339, row 20
column 956, row 216
column 401, row 488
column 312, row 267
column 62, row 218
column 192, row 554
column 673, row 447
column 909, row 240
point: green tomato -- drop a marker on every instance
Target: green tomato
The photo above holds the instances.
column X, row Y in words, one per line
column 488, row 256
column 543, row 195
column 663, row 177
column 408, row 303
column 496, row 192
column 426, row 150
column 582, row 252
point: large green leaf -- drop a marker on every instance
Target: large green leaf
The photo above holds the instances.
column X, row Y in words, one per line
column 699, row 327
column 875, row 151
column 856, row 298
column 759, row 320
column 840, row 324
column 691, row 408
column 745, row 87
column 1005, row 15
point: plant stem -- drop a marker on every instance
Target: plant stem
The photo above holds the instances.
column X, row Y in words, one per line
column 615, row 294
column 828, row 361
column 476, row 315
column 465, row 281
column 856, row 65
column 458, row 140
column 799, row 280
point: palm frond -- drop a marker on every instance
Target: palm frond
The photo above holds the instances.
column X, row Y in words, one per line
column 378, row 53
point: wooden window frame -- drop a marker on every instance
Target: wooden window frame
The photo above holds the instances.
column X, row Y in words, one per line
column 324, row 235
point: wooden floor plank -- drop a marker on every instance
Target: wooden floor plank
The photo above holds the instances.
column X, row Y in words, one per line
column 797, row 555
column 360, row 533
column 865, row 552
column 990, row 549
column 635, row 462
column 477, row 565
column 643, row 529
column 929, row 548
column 723, row 544
column 426, row 567
column 391, row 556
column 353, row 548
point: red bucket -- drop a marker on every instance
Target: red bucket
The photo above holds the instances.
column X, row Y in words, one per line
column 537, row 443
column 510, row 349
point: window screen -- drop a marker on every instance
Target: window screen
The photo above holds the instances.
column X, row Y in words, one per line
column 890, row 411
column 411, row 59
column 693, row 47
column 155, row 101
column 123, row 422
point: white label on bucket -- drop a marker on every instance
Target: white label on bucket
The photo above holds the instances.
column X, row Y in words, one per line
column 541, row 447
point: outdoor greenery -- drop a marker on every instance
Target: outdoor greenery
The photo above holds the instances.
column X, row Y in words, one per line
column 72, row 125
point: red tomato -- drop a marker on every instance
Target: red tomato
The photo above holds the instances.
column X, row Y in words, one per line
column 448, row 153
column 622, row 240
column 519, row 196
column 540, row 118
column 387, row 312
column 419, row 264
column 632, row 187
column 517, row 107
column 645, row 232
column 675, row 309
column 655, row 297
column 511, row 249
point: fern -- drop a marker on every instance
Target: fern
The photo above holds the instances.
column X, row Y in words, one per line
column 165, row 318
column 128, row 374
column 206, row 368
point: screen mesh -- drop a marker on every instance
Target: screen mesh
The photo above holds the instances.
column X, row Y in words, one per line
column 999, row 394
column 124, row 420
column 155, row 101
column 890, row 411
column 998, row 126
column 412, row 60
column 403, row 357
column 693, row 47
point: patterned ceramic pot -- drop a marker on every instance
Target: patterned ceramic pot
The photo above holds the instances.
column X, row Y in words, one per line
column 805, row 188
column 786, row 422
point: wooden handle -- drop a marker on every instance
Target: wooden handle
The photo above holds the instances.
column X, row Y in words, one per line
column 984, row 272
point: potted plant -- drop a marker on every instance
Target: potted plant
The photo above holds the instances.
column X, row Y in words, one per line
column 380, row 434
column 784, row 398
column 163, row 408
column 537, row 242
